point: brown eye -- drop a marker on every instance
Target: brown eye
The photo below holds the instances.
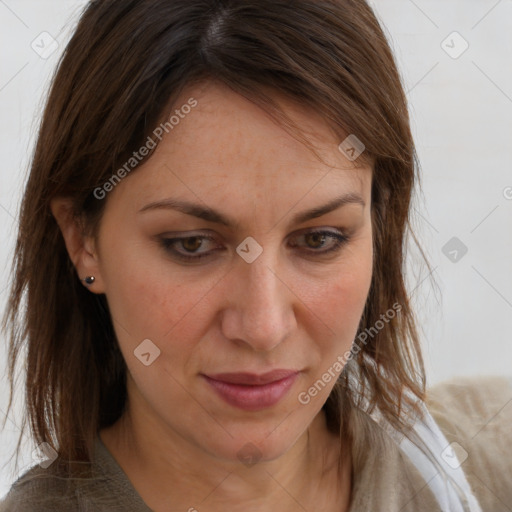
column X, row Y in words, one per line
column 316, row 240
column 186, row 248
column 191, row 243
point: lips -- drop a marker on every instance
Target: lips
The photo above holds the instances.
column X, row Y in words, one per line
column 250, row 391
column 253, row 378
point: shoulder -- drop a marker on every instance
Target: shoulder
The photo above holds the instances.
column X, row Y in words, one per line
column 475, row 415
column 39, row 490
column 98, row 485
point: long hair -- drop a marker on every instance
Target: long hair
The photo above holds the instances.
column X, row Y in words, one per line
column 122, row 68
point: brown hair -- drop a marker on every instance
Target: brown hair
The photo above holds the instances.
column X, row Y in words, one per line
column 124, row 65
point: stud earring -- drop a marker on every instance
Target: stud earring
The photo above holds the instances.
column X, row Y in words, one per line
column 89, row 280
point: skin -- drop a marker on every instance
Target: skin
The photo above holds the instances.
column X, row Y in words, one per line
column 291, row 308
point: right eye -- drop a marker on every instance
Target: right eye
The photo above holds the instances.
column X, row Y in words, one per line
column 190, row 244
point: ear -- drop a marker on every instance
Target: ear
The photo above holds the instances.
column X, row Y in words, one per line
column 81, row 247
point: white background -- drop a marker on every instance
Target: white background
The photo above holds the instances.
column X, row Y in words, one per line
column 461, row 111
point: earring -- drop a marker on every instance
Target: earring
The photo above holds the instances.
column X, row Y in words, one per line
column 89, row 280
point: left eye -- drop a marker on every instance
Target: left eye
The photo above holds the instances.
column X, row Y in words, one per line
column 191, row 244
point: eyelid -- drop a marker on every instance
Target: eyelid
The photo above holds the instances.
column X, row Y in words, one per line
column 340, row 237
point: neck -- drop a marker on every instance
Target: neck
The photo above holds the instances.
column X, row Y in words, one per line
column 314, row 474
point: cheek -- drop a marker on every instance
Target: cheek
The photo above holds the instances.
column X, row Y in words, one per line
column 340, row 301
column 164, row 310
column 149, row 298
column 158, row 307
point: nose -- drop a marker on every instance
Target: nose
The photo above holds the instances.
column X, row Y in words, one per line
column 261, row 307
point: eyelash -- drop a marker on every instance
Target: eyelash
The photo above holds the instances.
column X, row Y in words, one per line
column 168, row 243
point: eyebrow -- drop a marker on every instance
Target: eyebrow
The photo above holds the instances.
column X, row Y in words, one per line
column 211, row 215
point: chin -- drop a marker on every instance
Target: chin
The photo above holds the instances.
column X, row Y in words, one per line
column 260, row 447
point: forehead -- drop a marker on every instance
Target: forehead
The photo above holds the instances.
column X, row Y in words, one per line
column 223, row 117
column 226, row 144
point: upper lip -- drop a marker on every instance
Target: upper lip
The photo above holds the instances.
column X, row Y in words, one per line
column 253, row 378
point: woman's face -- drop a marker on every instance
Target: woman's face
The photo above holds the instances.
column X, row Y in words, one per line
column 264, row 293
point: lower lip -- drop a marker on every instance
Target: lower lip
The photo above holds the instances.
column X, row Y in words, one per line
column 252, row 398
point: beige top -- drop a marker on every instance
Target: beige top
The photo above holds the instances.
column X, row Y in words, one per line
column 475, row 413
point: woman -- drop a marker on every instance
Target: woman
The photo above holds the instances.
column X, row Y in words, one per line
column 211, row 245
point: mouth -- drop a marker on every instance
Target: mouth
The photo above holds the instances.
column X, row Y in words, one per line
column 252, row 392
